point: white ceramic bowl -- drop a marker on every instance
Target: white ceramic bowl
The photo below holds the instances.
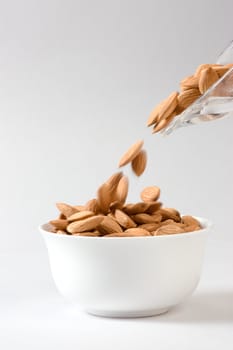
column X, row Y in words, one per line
column 126, row 277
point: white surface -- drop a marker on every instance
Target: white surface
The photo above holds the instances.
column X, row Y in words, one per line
column 34, row 316
column 131, row 276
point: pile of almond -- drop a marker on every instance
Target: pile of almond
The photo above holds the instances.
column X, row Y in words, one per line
column 191, row 88
column 108, row 215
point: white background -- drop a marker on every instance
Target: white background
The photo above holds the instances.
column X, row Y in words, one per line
column 77, row 82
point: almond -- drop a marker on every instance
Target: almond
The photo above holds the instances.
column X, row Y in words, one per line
column 80, row 215
column 150, row 194
column 136, row 232
column 153, row 207
column 157, row 217
column 189, row 83
column 61, row 232
column 122, row 189
column 153, row 117
column 189, row 220
column 87, row 234
column 108, row 225
column 172, row 211
column 168, row 230
column 112, row 216
column 131, row 153
column 66, row 209
column 139, row 163
column 113, row 182
column 169, row 213
column 59, row 224
column 92, row 205
column 200, row 69
column 79, row 207
column 162, row 124
column 187, row 97
column 132, row 232
column 115, row 205
column 143, row 218
column 104, row 197
column 137, row 208
column 166, row 222
column 61, row 216
column 124, row 220
column 221, row 70
column 150, row 227
column 168, row 106
column 191, row 228
column 85, row 225
column 207, row 78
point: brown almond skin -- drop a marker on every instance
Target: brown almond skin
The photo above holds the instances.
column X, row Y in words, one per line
column 207, row 78
column 187, row 97
column 131, row 153
column 124, row 220
column 167, row 213
column 85, row 225
column 139, row 163
column 113, row 183
column 104, row 198
column 150, row 193
column 143, row 218
column 109, row 225
column 149, row 227
column 132, row 209
column 200, row 68
column 168, row 230
column 80, row 215
column 153, row 207
column 153, row 117
column 92, row 205
column 132, row 232
column 191, row 228
column 161, row 125
column 87, row 234
column 59, row 224
column 168, row 106
column 135, row 232
column 66, row 209
column 79, row 207
column 189, row 83
column 221, row 70
column 122, row 189
column 115, row 205
column 189, row 220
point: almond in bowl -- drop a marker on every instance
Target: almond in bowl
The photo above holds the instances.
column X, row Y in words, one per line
column 119, row 259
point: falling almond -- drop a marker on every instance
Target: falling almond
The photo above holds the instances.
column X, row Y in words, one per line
column 150, row 193
column 131, row 153
column 139, row 163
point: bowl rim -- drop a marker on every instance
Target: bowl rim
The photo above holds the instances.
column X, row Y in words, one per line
column 207, row 225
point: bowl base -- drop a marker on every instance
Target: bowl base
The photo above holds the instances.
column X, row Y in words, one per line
column 127, row 314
